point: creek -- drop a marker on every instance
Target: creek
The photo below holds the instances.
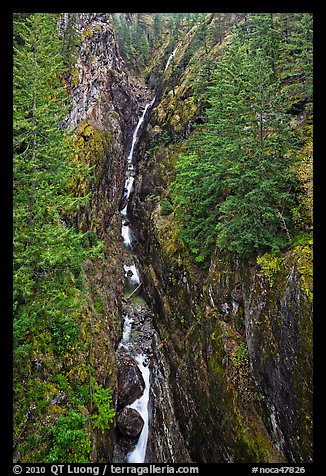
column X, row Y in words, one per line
column 132, row 284
column 144, row 391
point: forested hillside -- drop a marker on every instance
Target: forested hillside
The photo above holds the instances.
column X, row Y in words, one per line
column 49, row 290
column 239, row 188
column 163, row 220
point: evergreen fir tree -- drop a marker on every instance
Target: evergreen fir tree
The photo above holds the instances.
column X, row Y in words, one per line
column 157, row 27
column 47, row 254
column 235, row 189
column 71, row 40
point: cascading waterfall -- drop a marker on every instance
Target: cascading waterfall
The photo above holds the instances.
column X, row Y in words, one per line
column 169, row 59
column 135, row 134
column 138, row 453
column 125, row 229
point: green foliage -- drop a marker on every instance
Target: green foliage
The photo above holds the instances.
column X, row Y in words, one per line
column 133, row 40
column 102, row 398
column 304, row 256
column 270, row 264
column 48, row 252
column 240, row 374
column 152, row 196
column 182, row 320
column 70, row 443
column 194, row 196
column 71, row 40
column 286, row 39
column 240, row 355
column 166, row 207
column 61, row 381
column 65, row 333
column 236, row 185
column 302, row 238
column 165, row 139
column 157, row 27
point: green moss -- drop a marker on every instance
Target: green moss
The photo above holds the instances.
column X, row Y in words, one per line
column 304, row 257
column 75, row 77
column 167, row 235
column 175, row 114
column 270, row 264
column 87, row 33
column 91, row 143
column 241, row 425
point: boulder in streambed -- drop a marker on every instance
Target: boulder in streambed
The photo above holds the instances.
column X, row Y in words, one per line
column 130, row 382
column 130, row 422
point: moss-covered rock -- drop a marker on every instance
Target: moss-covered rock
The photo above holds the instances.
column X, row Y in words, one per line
column 237, row 335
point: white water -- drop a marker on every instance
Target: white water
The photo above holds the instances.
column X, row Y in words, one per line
column 128, row 186
column 135, row 134
column 123, row 212
column 137, row 455
column 125, row 229
column 135, row 276
column 169, row 59
column 126, row 235
column 127, row 326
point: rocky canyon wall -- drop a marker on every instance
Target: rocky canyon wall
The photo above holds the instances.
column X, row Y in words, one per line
column 106, row 102
column 236, row 346
column 238, row 341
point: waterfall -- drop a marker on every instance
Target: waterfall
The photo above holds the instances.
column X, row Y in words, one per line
column 130, row 168
column 134, row 273
column 169, row 59
column 135, row 134
column 127, row 325
column 138, row 453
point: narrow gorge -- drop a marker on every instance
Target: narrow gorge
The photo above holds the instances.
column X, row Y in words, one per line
column 177, row 326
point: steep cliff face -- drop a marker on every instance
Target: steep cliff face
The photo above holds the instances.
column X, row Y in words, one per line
column 210, row 373
column 229, row 346
column 105, row 105
column 238, row 338
column 278, row 323
column 239, row 349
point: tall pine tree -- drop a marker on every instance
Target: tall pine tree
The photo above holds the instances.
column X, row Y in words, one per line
column 48, row 254
column 235, row 187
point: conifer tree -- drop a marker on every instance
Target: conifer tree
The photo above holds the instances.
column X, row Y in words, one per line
column 47, row 254
column 70, row 41
column 235, row 188
column 157, row 27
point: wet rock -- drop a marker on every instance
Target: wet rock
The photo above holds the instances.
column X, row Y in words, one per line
column 130, row 422
column 122, row 447
column 59, row 398
column 225, row 308
column 130, row 382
